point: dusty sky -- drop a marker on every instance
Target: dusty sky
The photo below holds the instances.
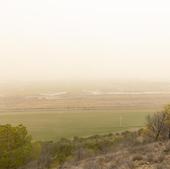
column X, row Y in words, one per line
column 91, row 39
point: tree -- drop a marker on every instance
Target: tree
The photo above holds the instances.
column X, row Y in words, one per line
column 15, row 146
column 156, row 123
column 167, row 123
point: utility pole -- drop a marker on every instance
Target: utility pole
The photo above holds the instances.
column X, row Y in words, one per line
column 120, row 121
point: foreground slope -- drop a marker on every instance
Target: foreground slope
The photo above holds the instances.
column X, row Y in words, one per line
column 150, row 156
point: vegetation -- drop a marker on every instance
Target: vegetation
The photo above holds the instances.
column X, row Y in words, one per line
column 18, row 150
column 15, row 146
column 159, row 124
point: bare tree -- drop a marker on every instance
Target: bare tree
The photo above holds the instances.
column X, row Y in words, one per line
column 167, row 111
column 157, row 123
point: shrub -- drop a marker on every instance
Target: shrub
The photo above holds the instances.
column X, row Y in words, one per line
column 137, row 157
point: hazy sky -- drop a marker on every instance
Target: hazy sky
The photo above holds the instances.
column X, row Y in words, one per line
column 75, row 39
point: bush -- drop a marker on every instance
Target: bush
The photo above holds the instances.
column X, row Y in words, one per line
column 137, row 157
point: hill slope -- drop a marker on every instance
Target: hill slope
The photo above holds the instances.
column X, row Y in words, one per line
column 149, row 156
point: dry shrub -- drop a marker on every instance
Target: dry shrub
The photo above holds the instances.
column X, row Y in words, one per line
column 113, row 166
column 162, row 166
column 159, row 158
column 150, row 158
column 137, row 149
column 123, row 165
column 167, row 147
column 137, row 157
column 130, row 164
column 92, row 165
column 109, row 158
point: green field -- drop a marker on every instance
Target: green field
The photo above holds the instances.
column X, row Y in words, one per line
column 52, row 125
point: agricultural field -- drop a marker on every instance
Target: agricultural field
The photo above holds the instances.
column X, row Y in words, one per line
column 55, row 113
column 52, row 125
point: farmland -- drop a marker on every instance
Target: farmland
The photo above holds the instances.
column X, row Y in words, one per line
column 51, row 113
column 55, row 124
